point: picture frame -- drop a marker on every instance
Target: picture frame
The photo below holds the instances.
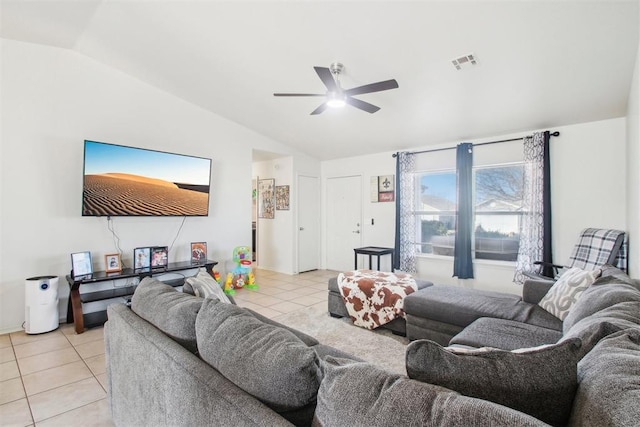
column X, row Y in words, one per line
column 266, row 198
column 81, row 265
column 282, row 197
column 386, row 184
column 113, row 263
column 159, row 257
column 382, row 188
column 198, row 252
column 141, row 258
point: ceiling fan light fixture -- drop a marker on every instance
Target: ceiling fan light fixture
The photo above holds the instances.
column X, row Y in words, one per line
column 336, row 100
column 336, row 97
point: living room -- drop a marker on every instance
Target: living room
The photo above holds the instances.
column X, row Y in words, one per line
column 51, row 84
column 56, row 94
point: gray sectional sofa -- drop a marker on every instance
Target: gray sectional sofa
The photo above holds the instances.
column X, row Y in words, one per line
column 176, row 359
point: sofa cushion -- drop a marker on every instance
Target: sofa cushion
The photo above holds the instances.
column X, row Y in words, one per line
column 205, row 286
column 609, row 382
column 623, row 314
column 609, row 270
column 504, row 334
column 592, row 329
column 567, row 290
column 173, row 312
column 360, row 394
column 605, row 292
column 307, row 339
column 266, row 361
column 539, row 381
column 590, row 333
column 462, row 306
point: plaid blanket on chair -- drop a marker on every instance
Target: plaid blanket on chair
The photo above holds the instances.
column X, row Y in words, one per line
column 597, row 247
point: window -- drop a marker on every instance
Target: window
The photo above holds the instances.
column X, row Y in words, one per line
column 498, row 209
column 436, row 211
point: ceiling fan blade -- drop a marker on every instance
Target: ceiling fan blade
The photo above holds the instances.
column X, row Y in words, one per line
column 299, row 94
column 327, row 78
column 373, row 87
column 320, row 109
column 365, row 106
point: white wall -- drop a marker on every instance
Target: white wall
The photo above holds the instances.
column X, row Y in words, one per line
column 53, row 99
column 382, row 232
column 588, row 190
column 275, row 237
column 589, row 181
column 633, row 168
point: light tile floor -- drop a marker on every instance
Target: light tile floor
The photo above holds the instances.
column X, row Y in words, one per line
column 58, row 378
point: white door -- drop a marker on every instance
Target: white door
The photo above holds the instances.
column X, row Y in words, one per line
column 308, row 223
column 344, row 221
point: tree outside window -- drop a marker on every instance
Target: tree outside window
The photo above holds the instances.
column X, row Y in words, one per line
column 498, row 209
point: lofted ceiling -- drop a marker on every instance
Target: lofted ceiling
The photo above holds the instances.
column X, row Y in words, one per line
column 540, row 63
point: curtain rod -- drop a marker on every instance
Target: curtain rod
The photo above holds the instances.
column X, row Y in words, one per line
column 556, row 133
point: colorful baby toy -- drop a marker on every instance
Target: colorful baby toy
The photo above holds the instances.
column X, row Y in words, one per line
column 242, row 274
column 228, row 285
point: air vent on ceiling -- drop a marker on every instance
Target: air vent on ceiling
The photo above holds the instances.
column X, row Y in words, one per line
column 464, row 61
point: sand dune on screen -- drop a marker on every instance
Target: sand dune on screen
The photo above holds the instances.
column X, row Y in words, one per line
column 122, row 194
column 141, row 179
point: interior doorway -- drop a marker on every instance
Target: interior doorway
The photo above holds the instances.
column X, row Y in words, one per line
column 308, row 223
column 344, row 221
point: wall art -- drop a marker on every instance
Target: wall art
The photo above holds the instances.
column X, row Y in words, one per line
column 266, row 198
column 282, row 197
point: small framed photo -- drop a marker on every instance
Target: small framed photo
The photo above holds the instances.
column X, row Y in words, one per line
column 141, row 258
column 266, row 198
column 81, row 265
column 198, row 252
column 159, row 257
column 113, row 264
column 282, row 197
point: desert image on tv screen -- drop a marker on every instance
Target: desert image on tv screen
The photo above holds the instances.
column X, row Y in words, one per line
column 126, row 181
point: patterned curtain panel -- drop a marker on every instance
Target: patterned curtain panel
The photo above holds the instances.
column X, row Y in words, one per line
column 532, row 223
column 405, row 255
column 462, row 260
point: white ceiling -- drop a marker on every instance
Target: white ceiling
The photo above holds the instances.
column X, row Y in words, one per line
column 541, row 63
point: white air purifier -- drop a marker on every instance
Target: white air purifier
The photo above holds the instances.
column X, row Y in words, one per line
column 41, row 304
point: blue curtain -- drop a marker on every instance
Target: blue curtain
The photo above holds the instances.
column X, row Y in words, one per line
column 397, row 243
column 462, row 261
column 547, row 255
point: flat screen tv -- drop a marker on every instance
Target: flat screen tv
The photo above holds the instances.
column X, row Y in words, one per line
column 128, row 181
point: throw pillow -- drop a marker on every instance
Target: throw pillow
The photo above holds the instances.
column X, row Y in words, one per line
column 566, row 291
column 173, row 312
column 609, row 382
column 266, row 361
column 540, row 382
column 361, row 394
column 205, row 286
column 187, row 288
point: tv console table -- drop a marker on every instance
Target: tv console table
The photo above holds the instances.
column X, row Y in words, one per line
column 95, row 287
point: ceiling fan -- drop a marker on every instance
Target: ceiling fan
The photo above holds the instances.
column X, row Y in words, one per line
column 337, row 96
